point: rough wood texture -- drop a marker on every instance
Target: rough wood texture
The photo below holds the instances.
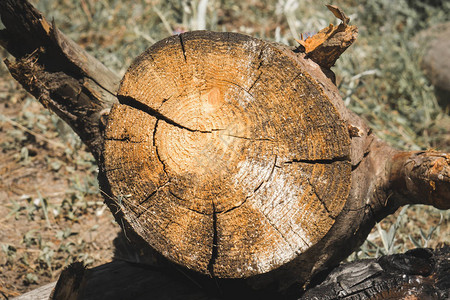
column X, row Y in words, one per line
column 422, row 177
column 232, row 159
column 328, row 44
column 41, row 293
column 417, row 274
column 220, row 161
column 335, row 178
column 59, row 73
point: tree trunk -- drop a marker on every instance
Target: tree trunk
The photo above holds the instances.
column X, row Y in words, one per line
column 230, row 156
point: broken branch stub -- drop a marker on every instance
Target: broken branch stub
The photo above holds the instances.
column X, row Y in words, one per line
column 326, row 46
column 422, row 177
column 226, row 154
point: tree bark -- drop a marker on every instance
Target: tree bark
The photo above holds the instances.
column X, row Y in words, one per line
column 58, row 72
column 375, row 178
column 417, row 274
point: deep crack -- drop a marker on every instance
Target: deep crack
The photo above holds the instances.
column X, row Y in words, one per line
column 250, row 139
column 154, row 113
column 182, row 46
column 319, row 161
column 214, row 251
column 148, row 197
column 260, row 55
column 261, row 61
column 125, row 100
column 154, row 192
column 156, row 149
column 123, row 139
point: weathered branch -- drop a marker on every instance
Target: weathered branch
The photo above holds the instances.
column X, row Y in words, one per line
column 417, row 274
column 58, row 72
column 422, row 177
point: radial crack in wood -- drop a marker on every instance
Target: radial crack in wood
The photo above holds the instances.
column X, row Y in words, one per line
column 214, row 249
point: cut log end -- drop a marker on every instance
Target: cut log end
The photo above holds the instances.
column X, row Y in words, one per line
column 225, row 155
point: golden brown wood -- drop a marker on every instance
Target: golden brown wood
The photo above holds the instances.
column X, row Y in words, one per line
column 227, row 156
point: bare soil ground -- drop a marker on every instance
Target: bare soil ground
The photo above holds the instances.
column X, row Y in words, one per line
column 51, row 211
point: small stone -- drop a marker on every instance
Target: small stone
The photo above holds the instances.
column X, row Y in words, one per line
column 436, row 60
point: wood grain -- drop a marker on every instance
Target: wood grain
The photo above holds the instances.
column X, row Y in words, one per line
column 232, row 158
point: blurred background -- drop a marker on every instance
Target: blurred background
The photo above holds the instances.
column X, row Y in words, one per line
column 396, row 76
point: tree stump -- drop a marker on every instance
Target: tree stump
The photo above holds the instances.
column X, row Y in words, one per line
column 225, row 155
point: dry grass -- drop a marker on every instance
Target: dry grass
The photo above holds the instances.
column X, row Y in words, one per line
column 50, row 213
